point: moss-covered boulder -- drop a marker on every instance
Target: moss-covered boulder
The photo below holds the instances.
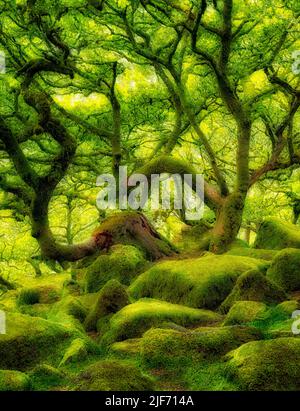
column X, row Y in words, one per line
column 69, row 306
column 44, row 376
column 261, row 254
column 123, row 263
column 167, row 348
column 243, row 312
column 134, row 319
column 286, row 308
column 14, row 381
column 30, row 339
column 45, row 294
column 111, row 299
column 113, row 375
column 285, row 269
column 196, row 282
column 271, row 365
column 254, row 286
column 274, row 234
column 130, row 347
column 76, row 352
column 277, row 321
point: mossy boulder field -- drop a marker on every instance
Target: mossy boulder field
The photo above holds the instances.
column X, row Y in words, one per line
column 119, row 321
column 149, row 197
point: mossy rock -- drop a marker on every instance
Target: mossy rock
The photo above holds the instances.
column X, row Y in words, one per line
column 134, row 319
column 130, row 347
column 76, row 352
column 35, row 310
column 123, row 263
column 196, row 282
column 71, row 306
column 254, row 286
column 288, row 307
column 271, row 365
column 111, row 299
column 14, row 381
column 45, row 294
column 261, row 254
column 30, row 340
column 285, row 269
column 44, row 376
column 274, row 234
column 243, row 312
column 277, row 320
column 164, row 348
column 68, row 312
column 113, row 375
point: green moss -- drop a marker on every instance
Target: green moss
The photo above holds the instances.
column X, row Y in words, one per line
column 123, row 263
column 14, row 381
column 208, row 376
column 130, row 347
column 277, row 321
column 111, row 299
column 163, row 348
column 285, row 269
column 196, row 282
column 68, row 312
column 113, row 375
column 35, row 310
column 28, row 296
column 39, row 294
column 76, row 352
column 30, row 340
column 274, row 234
column 134, row 319
column 287, row 307
column 267, row 255
column 70, row 306
column 44, row 376
column 243, row 312
column 271, row 365
column 254, row 286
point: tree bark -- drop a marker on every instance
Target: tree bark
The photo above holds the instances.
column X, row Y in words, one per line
column 228, row 223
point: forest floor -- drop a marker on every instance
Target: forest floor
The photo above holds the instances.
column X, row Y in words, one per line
column 196, row 321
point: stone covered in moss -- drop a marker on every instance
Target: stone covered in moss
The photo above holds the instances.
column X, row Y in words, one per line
column 126, row 348
column 123, row 263
column 196, row 282
column 113, row 375
column 271, row 365
column 243, row 312
column 261, row 254
column 77, row 351
column 167, row 348
column 277, row 320
column 70, row 306
column 14, row 381
column 274, row 234
column 44, row 294
column 285, row 269
column 30, row 340
column 287, row 307
column 254, row 286
column 45, row 375
column 134, row 319
column 111, row 299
